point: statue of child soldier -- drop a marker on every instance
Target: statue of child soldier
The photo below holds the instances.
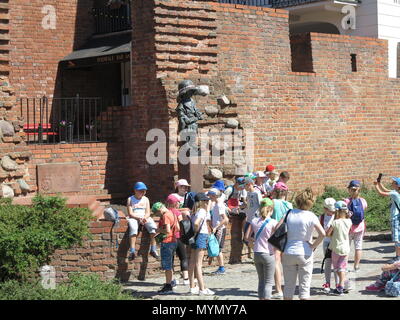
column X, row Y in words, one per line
column 188, row 114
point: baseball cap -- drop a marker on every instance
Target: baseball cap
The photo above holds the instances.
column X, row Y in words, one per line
column 201, row 196
column 172, row 198
column 182, row 182
column 157, row 206
column 139, row 186
column 213, row 192
column 250, row 175
column 260, row 174
column 240, row 180
column 270, row 168
column 219, row 184
column 340, row 205
column 281, row 186
column 329, row 203
column 354, row 184
column 397, row 180
column 266, row 202
column 248, row 180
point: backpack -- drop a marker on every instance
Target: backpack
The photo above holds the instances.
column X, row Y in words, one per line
column 212, row 246
column 186, row 231
column 356, row 207
column 110, row 214
column 189, row 200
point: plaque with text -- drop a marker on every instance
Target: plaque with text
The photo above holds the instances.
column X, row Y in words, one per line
column 59, row 177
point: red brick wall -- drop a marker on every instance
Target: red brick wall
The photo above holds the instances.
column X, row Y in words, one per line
column 100, row 255
column 101, row 165
column 35, row 52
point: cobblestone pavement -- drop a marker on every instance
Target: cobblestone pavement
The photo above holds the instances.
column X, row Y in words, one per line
column 240, row 280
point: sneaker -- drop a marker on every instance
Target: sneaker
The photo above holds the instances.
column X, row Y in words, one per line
column 155, row 255
column 375, row 287
column 174, row 283
column 326, row 287
column 206, row 292
column 219, row 271
column 278, row 295
column 166, row 289
column 132, row 256
column 338, row 291
column 186, row 282
column 194, row 290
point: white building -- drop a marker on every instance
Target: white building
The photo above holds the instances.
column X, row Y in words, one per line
column 369, row 18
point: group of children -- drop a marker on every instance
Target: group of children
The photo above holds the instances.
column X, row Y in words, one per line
column 261, row 199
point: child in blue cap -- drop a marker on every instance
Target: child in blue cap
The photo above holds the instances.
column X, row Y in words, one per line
column 394, row 212
column 139, row 212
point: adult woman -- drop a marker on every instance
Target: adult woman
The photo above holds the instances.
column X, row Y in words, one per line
column 297, row 258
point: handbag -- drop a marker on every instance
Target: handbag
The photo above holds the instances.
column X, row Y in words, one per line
column 212, row 246
column 328, row 255
column 392, row 287
column 279, row 238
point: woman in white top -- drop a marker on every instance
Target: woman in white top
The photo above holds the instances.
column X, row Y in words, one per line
column 297, row 258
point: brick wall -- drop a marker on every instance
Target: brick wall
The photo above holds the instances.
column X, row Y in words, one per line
column 101, row 166
column 100, row 254
column 35, row 51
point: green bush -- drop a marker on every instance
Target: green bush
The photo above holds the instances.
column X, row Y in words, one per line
column 377, row 215
column 81, row 287
column 30, row 235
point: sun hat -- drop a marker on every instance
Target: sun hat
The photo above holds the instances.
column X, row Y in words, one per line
column 213, row 192
column 266, row 202
column 269, row 168
column 397, row 180
column 157, row 206
column 172, row 198
column 201, row 196
column 260, row 174
column 182, row 182
column 139, row 186
column 329, row 203
column 354, row 184
column 281, row 186
column 340, row 205
column 219, row 184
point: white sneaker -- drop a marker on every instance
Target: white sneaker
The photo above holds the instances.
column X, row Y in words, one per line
column 186, row 282
column 194, row 290
column 206, row 292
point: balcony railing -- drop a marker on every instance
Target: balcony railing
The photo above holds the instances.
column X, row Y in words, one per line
column 109, row 20
column 67, row 120
column 276, row 3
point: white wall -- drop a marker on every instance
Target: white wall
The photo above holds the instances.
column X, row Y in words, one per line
column 389, row 28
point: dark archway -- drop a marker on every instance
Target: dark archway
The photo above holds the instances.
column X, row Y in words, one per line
column 320, row 27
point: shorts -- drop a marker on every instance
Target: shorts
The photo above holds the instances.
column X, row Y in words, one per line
column 339, row 263
column 201, row 241
column 220, row 235
column 358, row 239
column 395, row 222
column 150, row 226
column 167, row 252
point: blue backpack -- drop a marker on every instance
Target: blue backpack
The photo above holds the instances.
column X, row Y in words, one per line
column 356, row 207
column 213, row 246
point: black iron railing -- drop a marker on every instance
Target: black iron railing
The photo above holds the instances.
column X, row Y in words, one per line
column 276, row 3
column 66, row 120
column 109, row 20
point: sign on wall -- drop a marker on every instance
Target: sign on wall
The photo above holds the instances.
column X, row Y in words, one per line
column 59, row 177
